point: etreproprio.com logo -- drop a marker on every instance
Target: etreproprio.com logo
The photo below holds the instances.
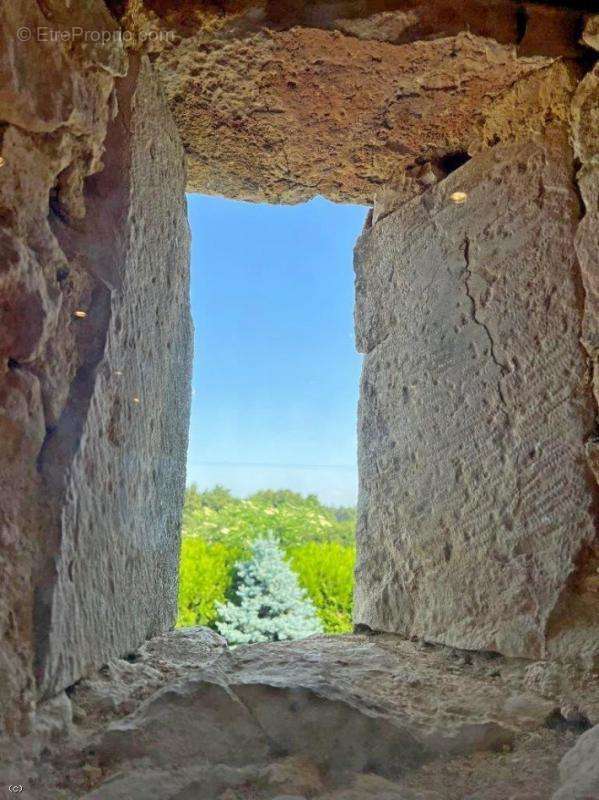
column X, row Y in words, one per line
column 78, row 34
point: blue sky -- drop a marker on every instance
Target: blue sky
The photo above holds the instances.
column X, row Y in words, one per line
column 275, row 382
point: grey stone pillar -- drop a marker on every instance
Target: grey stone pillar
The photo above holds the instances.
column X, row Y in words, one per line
column 114, row 467
column 477, row 505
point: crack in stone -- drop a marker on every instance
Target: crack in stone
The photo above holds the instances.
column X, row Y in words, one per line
column 216, row 673
column 54, row 462
column 467, row 277
column 274, row 746
column 504, row 370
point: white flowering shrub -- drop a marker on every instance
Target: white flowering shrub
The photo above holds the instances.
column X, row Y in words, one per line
column 270, row 605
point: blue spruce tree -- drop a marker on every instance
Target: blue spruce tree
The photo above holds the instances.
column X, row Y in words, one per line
column 270, row 605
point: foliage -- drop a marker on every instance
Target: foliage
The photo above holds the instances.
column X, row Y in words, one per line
column 205, row 579
column 218, row 531
column 216, row 516
column 326, row 571
column 269, row 605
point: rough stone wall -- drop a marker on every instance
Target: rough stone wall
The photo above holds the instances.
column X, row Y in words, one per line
column 308, row 112
column 478, row 507
column 116, row 581
column 576, row 616
column 90, row 479
column 54, row 107
column 281, row 101
column 476, row 501
column 370, row 102
column 351, row 717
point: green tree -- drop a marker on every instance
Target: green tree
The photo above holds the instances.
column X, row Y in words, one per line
column 205, row 579
column 326, row 571
column 269, row 604
column 218, row 531
column 216, row 516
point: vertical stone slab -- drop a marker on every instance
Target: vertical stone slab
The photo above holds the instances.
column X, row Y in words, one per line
column 575, row 618
column 476, row 501
column 114, row 467
column 56, row 98
column 95, row 350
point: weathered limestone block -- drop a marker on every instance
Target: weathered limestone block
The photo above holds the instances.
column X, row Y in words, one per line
column 285, row 101
column 54, row 109
column 477, row 516
column 93, row 317
column 579, row 769
column 350, row 717
column 121, row 491
column 585, row 136
column 396, row 21
column 311, row 717
column 577, row 612
column 283, row 115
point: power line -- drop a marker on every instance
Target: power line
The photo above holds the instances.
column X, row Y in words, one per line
column 267, row 465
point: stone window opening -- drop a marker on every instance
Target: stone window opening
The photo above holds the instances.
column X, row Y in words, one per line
column 471, row 131
column 272, row 450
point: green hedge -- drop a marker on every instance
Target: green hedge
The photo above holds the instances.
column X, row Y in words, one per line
column 217, row 533
column 205, row 578
column 207, row 572
column 326, row 572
